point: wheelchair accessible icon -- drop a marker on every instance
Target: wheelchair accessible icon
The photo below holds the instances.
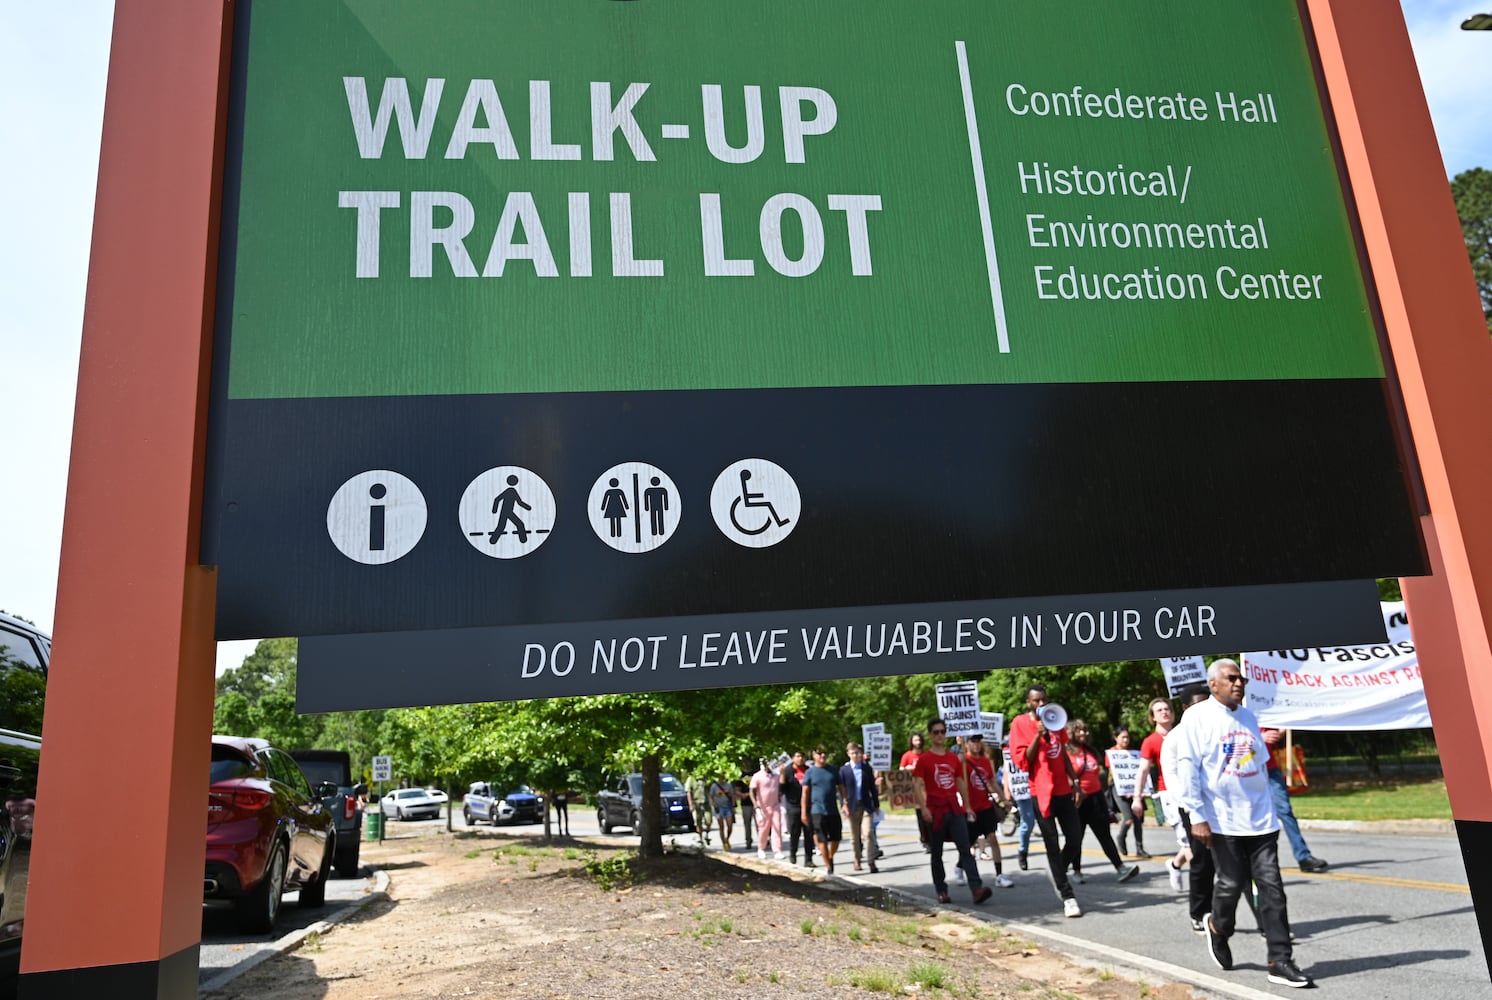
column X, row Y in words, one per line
column 755, row 503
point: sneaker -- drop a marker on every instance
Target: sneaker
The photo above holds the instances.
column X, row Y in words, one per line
column 761, row 855
column 1217, row 947
column 1125, row 874
column 983, row 893
column 1004, row 881
column 960, row 877
column 1311, row 864
column 809, row 864
column 1197, row 927
column 1141, row 854
column 943, row 897
column 1079, row 877
column 782, row 854
column 1020, row 859
column 1070, row 908
column 1284, row 973
column 1174, row 874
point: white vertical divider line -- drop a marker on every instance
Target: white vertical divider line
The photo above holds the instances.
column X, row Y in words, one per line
column 977, row 155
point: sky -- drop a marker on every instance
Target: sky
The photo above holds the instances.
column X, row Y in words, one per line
column 53, row 67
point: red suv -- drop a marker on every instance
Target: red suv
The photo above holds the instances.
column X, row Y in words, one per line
column 268, row 832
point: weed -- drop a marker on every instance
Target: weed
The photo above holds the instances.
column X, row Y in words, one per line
column 740, row 975
column 612, row 873
column 807, row 927
column 774, row 977
column 854, row 934
column 313, row 942
column 533, row 864
column 930, row 975
column 877, row 980
column 1105, row 974
column 726, row 926
column 1144, row 988
column 472, row 854
column 571, row 854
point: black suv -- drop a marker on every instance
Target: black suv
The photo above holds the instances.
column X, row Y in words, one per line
column 330, row 775
column 621, row 805
column 24, row 652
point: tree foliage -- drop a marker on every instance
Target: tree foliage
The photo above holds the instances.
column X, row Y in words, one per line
column 1472, row 190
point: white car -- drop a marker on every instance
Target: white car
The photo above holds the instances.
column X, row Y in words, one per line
column 438, row 795
column 411, row 803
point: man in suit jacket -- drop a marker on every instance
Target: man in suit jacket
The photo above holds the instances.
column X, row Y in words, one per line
column 861, row 801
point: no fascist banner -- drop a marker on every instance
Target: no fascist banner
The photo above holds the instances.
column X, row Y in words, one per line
column 1376, row 686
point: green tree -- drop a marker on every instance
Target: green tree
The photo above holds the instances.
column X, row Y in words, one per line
column 1472, row 190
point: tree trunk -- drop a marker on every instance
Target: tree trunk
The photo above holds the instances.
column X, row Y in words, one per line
column 651, row 833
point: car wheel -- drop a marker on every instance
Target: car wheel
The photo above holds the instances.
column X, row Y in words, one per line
column 347, row 857
column 602, row 821
column 256, row 912
column 399, row 815
column 313, row 893
column 466, row 814
column 636, row 822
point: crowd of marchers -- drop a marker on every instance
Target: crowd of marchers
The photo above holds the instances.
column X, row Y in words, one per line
column 1210, row 777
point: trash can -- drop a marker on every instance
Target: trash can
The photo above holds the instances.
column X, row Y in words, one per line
column 375, row 825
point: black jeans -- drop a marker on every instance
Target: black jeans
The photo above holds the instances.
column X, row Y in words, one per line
column 1238, row 860
column 954, row 827
column 1127, row 820
column 1094, row 815
column 1203, row 873
column 796, row 829
column 1059, row 858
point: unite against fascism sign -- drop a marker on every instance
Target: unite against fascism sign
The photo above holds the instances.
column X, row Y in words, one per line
column 644, row 346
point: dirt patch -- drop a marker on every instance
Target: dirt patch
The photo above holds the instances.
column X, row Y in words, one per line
column 508, row 917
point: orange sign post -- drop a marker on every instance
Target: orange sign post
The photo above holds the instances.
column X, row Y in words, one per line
column 115, row 898
column 1444, row 360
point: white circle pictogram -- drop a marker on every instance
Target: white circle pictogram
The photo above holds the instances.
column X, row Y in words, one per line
column 507, row 512
column 376, row 517
column 755, row 503
column 634, row 507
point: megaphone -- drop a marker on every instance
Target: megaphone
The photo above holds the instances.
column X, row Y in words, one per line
column 1053, row 716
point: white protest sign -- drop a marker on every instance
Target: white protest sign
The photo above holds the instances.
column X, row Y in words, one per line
column 1020, row 781
column 383, row 768
column 1124, row 768
column 869, row 730
column 1182, row 671
column 992, row 727
column 958, row 706
column 1376, row 686
column 879, row 751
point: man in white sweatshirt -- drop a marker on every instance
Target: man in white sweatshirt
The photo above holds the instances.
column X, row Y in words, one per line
column 1222, row 783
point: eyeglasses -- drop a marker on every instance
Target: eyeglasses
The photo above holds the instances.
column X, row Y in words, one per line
column 937, row 732
column 1235, row 679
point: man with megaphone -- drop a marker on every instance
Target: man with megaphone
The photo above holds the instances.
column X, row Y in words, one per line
column 1037, row 746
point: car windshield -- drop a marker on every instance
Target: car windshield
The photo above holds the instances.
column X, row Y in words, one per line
column 229, row 763
column 668, row 783
column 410, row 793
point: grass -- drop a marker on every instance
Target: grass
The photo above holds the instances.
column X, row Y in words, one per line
column 929, row 975
column 876, row 980
column 1363, row 798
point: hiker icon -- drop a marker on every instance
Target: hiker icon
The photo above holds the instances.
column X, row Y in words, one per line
column 634, row 507
column 750, row 499
column 503, row 505
column 755, row 503
column 490, row 512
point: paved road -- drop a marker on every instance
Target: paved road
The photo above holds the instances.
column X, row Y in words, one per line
column 1392, row 918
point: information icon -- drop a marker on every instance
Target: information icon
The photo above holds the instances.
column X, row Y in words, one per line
column 376, row 517
column 755, row 503
column 507, row 512
column 634, row 507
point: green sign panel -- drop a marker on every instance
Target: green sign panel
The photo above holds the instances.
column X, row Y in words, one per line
column 580, row 195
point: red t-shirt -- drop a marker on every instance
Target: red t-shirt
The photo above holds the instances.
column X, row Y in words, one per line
column 1049, row 770
column 981, row 775
column 909, row 759
column 1150, row 750
column 1085, row 766
column 940, row 773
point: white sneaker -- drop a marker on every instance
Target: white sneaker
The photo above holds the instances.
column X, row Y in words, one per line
column 960, row 877
column 780, row 855
column 1004, row 881
column 1070, row 908
column 1174, row 874
column 761, row 855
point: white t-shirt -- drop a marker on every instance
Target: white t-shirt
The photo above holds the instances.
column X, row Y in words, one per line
column 1221, row 767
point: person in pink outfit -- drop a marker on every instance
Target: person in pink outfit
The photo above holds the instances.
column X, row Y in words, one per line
column 765, row 796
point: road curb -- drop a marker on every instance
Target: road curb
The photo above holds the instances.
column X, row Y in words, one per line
column 292, row 941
